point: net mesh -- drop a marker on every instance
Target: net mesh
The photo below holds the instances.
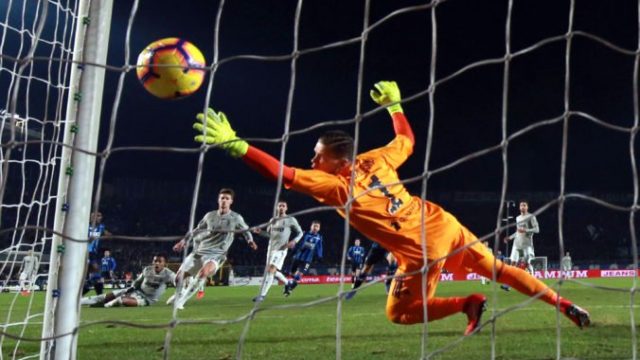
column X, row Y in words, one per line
column 35, row 63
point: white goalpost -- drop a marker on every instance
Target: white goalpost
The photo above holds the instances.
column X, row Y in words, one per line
column 51, row 114
column 53, row 63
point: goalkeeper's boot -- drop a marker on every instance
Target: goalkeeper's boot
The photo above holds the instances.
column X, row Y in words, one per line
column 474, row 306
column 578, row 315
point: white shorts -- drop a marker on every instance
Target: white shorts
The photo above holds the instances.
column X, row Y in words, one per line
column 193, row 262
column 276, row 258
column 139, row 297
column 525, row 252
column 25, row 276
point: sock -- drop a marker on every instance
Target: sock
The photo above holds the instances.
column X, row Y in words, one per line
column 190, row 291
column 530, row 268
column 437, row 308
column 293, row 284
column 92, row 300
column 521, row 281
column 115, row 302
column 280, row 276
column 266, row 285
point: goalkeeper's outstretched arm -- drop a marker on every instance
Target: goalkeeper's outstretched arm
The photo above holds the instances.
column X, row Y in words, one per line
column 215, row 129
column 387, row 93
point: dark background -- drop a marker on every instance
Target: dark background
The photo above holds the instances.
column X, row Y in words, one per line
column 148, row 193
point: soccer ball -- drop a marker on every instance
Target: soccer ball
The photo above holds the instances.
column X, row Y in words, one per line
column 171, row 68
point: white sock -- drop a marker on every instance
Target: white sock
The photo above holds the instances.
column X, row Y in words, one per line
column 280, row 276
column 266, row 285
column 190, row 291
column 92, row 300
column 115, row 302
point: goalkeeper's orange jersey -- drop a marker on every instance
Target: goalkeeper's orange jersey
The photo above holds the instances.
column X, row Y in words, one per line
column 383, row 209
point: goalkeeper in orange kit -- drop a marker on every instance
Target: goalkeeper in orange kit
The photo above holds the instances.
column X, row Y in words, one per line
column 383, row 210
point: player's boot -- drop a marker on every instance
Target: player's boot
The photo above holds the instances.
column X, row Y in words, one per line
column 288, row 287
column 356, row 284
column 258, row 299
column 200, row 294
column 578, row 315
column 505, row 287
column 474, row 306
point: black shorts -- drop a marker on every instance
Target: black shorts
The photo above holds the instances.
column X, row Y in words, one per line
column 94, row 258
column 376, row 254
column 299, row 265
column 355, row 266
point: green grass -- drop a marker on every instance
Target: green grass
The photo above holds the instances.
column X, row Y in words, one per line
column 310, row 333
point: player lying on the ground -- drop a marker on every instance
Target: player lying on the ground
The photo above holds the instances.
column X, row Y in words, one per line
column 383, row 210
column 146, row 289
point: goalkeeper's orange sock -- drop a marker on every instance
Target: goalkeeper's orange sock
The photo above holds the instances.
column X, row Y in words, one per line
column 437, row 308
column 522, row 281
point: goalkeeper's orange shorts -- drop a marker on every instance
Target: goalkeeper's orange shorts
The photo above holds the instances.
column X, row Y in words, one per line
column 405, row 295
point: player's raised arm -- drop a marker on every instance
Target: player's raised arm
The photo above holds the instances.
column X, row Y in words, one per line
column 387, row 93
column 215, row 129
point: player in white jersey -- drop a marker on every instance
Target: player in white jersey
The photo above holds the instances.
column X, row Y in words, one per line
column 526, row 225
column 566, row 264
column 145, row 291
column 211, row 241
column 28, row 272
column 279, row 232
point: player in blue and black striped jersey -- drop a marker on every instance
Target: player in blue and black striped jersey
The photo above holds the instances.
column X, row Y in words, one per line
column 108, row 267
column 355, row 255
column 308, row 248
column 94, row 276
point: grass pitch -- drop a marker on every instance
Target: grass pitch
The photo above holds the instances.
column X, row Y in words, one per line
column 310, row 332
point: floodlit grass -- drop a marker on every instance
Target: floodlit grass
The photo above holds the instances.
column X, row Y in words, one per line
column 310, row 333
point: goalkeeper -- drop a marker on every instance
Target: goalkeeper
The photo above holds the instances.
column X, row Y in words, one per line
column 383, row 210
column 145, row 291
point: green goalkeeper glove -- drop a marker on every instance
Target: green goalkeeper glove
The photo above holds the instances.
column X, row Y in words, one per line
column 218, row 131
column 385, row 93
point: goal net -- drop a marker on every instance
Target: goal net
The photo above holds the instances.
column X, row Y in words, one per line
column 506, row 99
